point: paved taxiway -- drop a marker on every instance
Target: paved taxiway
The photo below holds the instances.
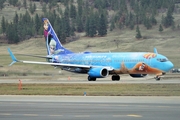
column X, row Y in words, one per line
column 89, row 107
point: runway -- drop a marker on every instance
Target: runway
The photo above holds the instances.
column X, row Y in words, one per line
column 89, row 107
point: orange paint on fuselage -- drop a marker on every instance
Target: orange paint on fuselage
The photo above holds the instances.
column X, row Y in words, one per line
column 139, row 68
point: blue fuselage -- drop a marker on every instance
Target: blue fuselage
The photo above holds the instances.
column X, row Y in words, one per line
column 114, row 60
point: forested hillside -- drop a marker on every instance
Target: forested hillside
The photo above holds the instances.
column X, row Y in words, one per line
column 93, row 17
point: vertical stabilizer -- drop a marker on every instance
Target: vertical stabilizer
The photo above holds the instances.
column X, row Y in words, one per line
column 53, row 44
column 155, row 51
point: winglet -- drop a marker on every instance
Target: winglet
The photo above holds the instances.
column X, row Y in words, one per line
column 14, row 60
column 155, row 51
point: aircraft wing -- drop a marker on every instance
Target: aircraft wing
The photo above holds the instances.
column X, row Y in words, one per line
column 14, row 60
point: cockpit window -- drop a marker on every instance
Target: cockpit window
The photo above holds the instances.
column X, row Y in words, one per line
column 162, row 59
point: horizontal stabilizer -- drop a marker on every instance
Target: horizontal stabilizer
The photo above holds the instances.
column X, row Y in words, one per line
column 39, row 56
column 14, row 60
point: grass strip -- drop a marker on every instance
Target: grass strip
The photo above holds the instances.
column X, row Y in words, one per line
column 92, row 89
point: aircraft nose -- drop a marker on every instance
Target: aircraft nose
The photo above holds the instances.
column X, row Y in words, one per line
column 170, row 65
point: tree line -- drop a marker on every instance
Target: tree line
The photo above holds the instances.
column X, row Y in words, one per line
column 89, row 16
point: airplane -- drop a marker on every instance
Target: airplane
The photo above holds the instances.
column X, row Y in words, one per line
column 99, row 65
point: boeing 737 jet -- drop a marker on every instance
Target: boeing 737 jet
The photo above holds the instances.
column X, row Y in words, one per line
column 100, row 65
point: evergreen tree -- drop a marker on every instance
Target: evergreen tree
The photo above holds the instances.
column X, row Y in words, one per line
column 51, row 4
column 31, row 7
column 138, row 33
column 132, row 25
column 98, row 3
column 169, row 19
column 178, row 26
column 37, row 23
column 102, row 28
column 173, row 26
column 160, row 28
column 13, row 2
column 34, row 7
column 80, row 7
column 66, row 2
column 12, row 34
column 57, row 27
column 44, row 8
column 80, row 26
column 15, row 34
column 131, row 21
column 73, row 11
column 16, row 18
column 73, row 26
column 66, row 12
column 92, row 26
column 2, row 4
column 87, row 27
column 63, row 31
column 96, row 17
column 67, row 22
column 3, row 25
column 21, row 31
column 147, row 23
column 153, row 20
column 25, row 4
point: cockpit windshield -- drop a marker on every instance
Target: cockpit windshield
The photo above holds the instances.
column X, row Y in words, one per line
column 162, row 59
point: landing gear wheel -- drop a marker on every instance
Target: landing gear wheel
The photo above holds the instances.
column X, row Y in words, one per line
column 115, row 78
column 91, row 78
column 157, row 78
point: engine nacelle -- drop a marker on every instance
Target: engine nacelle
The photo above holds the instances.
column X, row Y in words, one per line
column 137, row 75
column 98, row 72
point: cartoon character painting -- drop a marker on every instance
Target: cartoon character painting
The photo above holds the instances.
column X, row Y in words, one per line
column 51, row 42
column 46, row 31
column 142, row 67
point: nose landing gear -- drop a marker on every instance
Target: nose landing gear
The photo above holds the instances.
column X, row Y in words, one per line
column 157, row 78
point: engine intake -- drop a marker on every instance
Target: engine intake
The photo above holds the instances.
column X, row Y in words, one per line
column 98, row 72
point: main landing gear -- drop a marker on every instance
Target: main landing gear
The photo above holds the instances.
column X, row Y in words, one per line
column 115, row 78
column 91, row 78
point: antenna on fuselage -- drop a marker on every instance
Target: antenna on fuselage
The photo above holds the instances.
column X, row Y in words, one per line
column 155, row 51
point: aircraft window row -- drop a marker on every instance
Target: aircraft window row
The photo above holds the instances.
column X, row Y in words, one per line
column 162, row 59
column 103, row 60
column 129, row 60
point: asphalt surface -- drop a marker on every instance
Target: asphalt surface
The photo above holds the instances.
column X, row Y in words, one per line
column 89, row 107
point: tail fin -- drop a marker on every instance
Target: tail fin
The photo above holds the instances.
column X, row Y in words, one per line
column 53, row 44
column 155, row 51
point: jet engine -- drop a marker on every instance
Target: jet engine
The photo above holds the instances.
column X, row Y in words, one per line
column 137, row 75
column 98, row 72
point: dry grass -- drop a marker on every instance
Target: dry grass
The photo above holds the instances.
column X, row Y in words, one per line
column 92, row 89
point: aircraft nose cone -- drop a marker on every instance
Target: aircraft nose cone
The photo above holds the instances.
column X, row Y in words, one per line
column 170, row 65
